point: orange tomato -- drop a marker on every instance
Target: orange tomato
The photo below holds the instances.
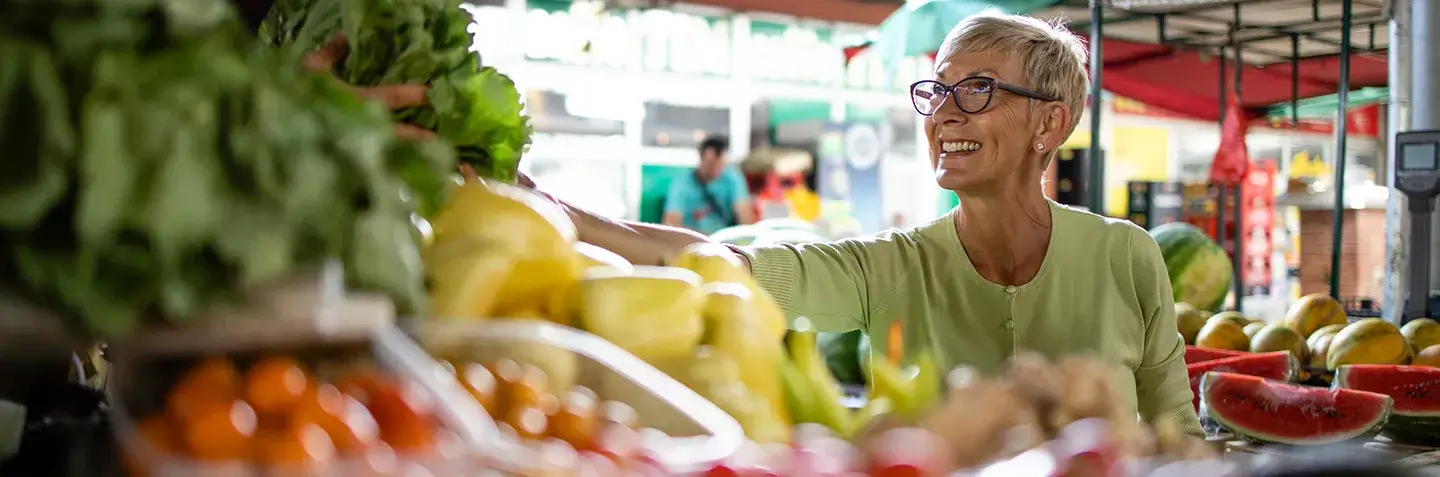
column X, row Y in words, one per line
column 529, row 422
column 576, row 420
column 360, row 384
column 295, row 449
column 212, row 380
column 275, row 384
column 220, row 431
column 405, row 415
column 519, row 386
column 481, row 384
column 348, row 423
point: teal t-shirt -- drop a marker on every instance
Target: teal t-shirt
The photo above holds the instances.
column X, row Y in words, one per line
column 687, row 198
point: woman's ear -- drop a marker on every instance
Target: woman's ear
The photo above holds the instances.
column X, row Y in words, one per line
column 1054, row 120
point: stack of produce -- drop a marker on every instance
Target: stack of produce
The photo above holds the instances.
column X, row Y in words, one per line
column 501, row 251
column 159, row 162
column 284, row 416
column 474, row 107
column 1239, row 371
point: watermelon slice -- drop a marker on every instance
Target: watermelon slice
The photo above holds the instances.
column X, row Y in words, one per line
column 1270, row 411
column 1415, row 390
column 1195, row 354
column 1278, row 365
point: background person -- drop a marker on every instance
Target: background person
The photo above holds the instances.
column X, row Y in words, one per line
column 714, row 197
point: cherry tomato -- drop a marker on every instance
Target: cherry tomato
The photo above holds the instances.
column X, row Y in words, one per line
column 295, row 448
column 529, row 422
column 213, row 380
column 348, row 423
column 276, row 384
column 576, row 420
column 519, row 385
column 221, row 431
column 405, row 415
column 481, row 384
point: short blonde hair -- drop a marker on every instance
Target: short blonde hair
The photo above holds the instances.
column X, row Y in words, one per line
column 1054, row 58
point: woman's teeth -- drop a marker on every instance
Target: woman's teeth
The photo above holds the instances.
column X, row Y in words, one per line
column 959, row 146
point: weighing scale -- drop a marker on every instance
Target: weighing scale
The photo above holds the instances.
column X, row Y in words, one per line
column 1417, row 174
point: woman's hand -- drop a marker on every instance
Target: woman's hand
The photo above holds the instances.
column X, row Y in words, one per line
column 393, row 97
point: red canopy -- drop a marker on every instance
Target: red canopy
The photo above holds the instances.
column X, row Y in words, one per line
column 1186, row 82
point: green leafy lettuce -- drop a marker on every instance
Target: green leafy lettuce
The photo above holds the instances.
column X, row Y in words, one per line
column 157, row 161
column 474, row 107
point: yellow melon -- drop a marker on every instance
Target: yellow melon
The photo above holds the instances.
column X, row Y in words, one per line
column 1320, row 351
column 1222, row 334
column 1188, row 320
column 1368, row 341
column 1327, row 330
column 1421, row 333
column 1276, row 337
column 1314, row 311
column 1253, row 328
column 1430, row 356
column 1231, row 316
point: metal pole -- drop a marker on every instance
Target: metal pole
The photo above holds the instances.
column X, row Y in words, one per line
column 1397, row 119
column 1221, row 192
column 1337, row 233
column 1295, row 80
column 1424, row 113
column 1097, row 62
column 1237, row 261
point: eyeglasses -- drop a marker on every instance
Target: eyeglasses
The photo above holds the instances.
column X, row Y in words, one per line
column 972, row 95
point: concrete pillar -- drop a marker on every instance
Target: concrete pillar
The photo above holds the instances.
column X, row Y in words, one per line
column 1397, row 119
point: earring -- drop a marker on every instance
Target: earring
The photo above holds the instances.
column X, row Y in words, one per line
column 1039, row 146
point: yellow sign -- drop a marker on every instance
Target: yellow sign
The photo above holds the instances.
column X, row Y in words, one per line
column 1305, row 165
column 1139, row 153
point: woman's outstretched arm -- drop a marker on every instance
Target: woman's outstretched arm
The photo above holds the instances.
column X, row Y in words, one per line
column 640, row 243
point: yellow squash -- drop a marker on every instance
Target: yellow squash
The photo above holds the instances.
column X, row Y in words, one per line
column 464, row 284
column 716, row 263
column 653, row 312
column 731, row 317
column 507, row 219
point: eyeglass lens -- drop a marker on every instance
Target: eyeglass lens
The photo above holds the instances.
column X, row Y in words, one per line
column 971, row 95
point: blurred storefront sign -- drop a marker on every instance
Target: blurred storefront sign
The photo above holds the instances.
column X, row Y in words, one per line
column 580, row 33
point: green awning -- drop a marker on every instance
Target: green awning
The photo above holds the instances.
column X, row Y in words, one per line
column 1325, row 106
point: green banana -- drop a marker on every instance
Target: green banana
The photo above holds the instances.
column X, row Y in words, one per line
column 800, row 396
column 806, row 355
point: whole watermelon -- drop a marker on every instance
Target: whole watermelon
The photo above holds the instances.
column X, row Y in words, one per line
column 1200, row 271
column 841, row 352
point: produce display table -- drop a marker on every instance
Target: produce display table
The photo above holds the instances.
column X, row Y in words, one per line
column 1380, row 448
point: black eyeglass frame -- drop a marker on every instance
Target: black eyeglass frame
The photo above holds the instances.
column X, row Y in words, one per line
column 996, row 84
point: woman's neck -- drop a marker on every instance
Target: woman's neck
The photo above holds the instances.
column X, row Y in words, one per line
column 1005, row 236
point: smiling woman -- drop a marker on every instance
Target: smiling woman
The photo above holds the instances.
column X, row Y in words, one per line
column 1007, row 271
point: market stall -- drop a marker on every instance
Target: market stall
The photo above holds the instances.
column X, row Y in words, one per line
column 243, row 271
